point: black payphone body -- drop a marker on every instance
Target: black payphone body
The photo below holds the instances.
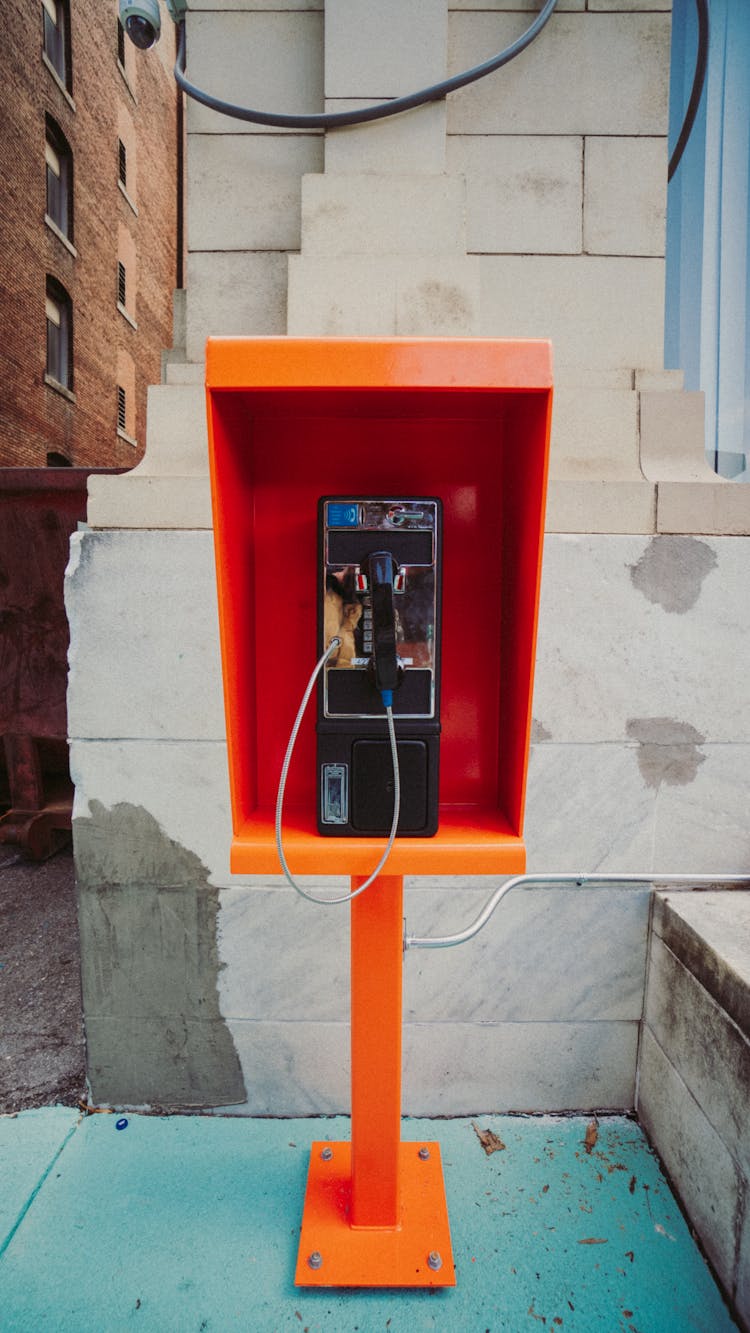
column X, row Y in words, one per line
column 380, row 594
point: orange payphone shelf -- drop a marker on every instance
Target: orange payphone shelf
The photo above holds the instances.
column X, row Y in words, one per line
column 469, row 841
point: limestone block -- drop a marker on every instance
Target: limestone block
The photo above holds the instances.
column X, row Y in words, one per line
column 697, row 1161
column 524, row 966
column 663, row 381
column 185, row 372
column 595, row 435
column 349, row 297
column 625, row 196
column 673, row 434
column 271, row 61
column 623, row 6
column 494, row 5
column 709, row 932
column 440, row 299
column 619, row 506
column 705, row 1047
column 144, row 657
column 580, row 377
column 600, row 313
column 176, row 432
column 253, row 5
column 587, row 807
column 355, row 296
column 135, row 500
column 169, row 487
column 293, row 1068
column 181, row 786
column 701, row 818
column 407, row 143
column 631, row 632
column 449, row 1069
column 523, row 194
column 234, row 293
column 283, row 959
column 462, row 1068
column 286, row 960
column 717, row 507
column 585, row 74
column 373, row 215
column 383, row 50
column 243, row 191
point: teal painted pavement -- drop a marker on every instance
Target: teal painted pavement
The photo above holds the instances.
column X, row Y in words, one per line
column 190, row 1223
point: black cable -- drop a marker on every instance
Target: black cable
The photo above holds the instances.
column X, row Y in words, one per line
column 696, row 92
column 329, row 120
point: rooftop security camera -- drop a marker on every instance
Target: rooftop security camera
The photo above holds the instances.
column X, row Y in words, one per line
column 141, row 19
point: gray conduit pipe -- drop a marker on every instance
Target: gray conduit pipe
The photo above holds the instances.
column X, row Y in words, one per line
column 562, row 881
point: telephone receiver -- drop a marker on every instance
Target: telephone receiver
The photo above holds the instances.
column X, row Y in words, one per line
column 382, row 570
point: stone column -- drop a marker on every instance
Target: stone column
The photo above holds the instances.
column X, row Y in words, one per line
column 383, row 228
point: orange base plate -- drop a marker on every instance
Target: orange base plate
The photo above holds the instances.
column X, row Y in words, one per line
column 375, row 1257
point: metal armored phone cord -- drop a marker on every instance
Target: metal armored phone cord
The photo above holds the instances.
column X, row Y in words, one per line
column 387, row 700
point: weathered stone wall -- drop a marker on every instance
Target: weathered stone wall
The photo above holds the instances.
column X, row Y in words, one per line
column 695, row 1070
column 531, row 204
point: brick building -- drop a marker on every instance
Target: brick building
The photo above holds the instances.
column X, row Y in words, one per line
column 89, row 227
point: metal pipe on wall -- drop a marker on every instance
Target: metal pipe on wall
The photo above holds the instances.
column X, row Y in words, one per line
column 563, row 881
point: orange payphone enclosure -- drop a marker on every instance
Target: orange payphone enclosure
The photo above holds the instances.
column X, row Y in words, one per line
column 468, row 421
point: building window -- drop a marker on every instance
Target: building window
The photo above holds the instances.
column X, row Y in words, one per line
column 122, row 163
column 59, row 334
column 56, row 19
column 59, row 165
column 122, row 286
column 55, row 459
column 120, row 44
column 122, row 408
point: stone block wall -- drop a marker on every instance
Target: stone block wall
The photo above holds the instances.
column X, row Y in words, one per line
column 695, row 1070
column 531, row 204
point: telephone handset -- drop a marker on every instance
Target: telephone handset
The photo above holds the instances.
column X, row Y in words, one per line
column 382, row 567
column 379, row 581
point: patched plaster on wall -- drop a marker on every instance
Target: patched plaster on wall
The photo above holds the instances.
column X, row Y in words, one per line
column 667, row 751
column 150, row 966
column 671, row 573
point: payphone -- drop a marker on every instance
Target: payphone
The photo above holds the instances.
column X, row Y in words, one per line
column 379, row 594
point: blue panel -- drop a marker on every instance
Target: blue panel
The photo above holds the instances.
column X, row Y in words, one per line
column 342, row 515
column 707, row 326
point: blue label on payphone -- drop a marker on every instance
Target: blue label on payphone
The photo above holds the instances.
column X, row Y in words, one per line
column 342, row 515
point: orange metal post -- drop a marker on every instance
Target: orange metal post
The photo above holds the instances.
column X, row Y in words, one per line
column 375, row 1211
column 377, row 966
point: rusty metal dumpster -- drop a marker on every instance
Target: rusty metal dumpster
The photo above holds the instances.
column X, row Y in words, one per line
column 39, row 509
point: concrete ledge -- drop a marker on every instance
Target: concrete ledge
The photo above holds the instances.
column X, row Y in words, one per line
column 710, row 934
column 574, row 505
column 715, row 508
column 149, row 502
column 694, row 1068
column 701, row 1170
column 673, row 429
